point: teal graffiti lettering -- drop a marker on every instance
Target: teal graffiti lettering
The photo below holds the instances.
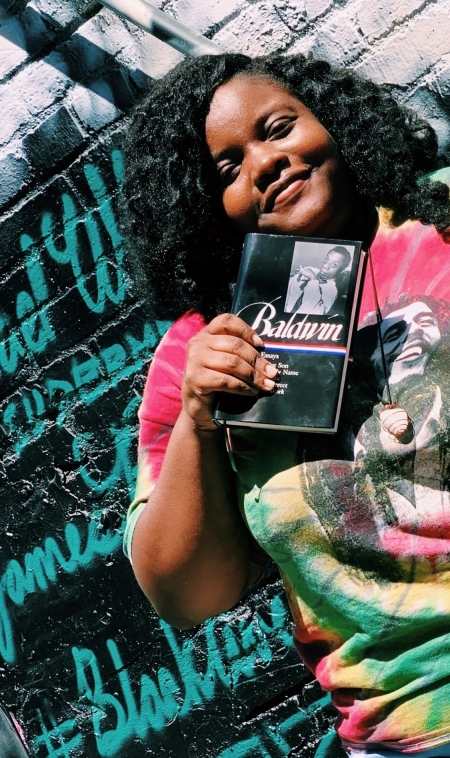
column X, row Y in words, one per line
column 41, row 567
column 55, row 739
column 37, row 331
column 85, row 372
column 105, row 282
column 57, row 389
column 106, row 705
column 23, row 418
column 149, row 338
column 152, row 703
column 11, row 349
column 274, row 744
column 124, row 466
column 96, row 286
column 114, row 358
column 103, row 197
column 9, row 415
column 33, row 404
column 36, row 328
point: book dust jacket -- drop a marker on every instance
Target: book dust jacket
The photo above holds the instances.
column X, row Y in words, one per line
column 300, row 295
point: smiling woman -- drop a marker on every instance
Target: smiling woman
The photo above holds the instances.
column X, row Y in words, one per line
column 358, row 523
column 256, row 130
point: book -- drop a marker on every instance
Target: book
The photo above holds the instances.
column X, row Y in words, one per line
column 301, row 296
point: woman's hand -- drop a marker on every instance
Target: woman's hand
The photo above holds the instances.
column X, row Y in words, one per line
column 223, row 357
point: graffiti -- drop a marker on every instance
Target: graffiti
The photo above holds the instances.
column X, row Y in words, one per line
column 58, row 733
column 133, row 710
column 22, row 418
column 96, row 295
column 40, row 569
column 78, row 380
column 99, row 279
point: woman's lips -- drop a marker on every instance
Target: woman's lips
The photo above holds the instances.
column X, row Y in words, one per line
column 286, row 189
column 292, row 189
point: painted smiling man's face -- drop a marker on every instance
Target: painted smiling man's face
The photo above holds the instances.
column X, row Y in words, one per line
column 410, row 336
column 279, row 167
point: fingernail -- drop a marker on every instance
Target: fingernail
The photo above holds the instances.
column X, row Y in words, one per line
column 257, row 341
column 270, row 370
column 268, row 384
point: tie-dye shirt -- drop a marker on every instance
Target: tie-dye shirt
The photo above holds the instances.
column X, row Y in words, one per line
column 358, row 522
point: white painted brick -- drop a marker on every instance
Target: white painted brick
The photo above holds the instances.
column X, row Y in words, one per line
column 62, row 12
column 256, row 31
column 12, row 46
column 13, row 111
column 155, row 57
column 40, row 84
column 376, row 18
column 203, row 16
column 438, row 80
column 411, row 50
column 298, row 14
column 108, row 31
column 91, row 108
column 316, row 8
column 339, row 40
column 428, row 106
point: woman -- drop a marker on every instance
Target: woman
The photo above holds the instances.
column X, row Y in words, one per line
column 358, row 523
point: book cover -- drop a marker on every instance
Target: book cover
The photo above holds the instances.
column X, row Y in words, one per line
column 300, row 295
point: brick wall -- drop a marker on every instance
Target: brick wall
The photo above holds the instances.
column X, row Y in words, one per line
column 84, row 663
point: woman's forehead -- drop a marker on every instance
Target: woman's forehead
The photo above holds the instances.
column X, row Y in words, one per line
column 245, row 101
column 250, row 90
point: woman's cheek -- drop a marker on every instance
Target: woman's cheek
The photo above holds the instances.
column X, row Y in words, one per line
column 238, row 208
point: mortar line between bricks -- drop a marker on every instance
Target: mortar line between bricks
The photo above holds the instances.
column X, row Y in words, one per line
column 216, row 28
column 413, row 86
column 32, row 191
column 315, row 24
column 65, row 34
column 284, row 22
column 406, row 19
column 396, row 25
column 320, row 21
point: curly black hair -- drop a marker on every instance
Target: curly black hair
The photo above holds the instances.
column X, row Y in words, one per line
column 184, row 252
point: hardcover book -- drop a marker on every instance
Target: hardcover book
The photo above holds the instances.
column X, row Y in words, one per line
column 301, row 296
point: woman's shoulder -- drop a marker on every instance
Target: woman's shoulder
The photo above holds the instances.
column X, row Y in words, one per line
column 186, row 326
column 161, row 401
column 169, row 359
column 180, row 332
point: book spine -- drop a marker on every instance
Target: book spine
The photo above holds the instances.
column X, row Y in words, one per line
column 250, row 243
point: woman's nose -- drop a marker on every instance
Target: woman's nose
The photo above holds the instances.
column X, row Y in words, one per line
column 266, row 164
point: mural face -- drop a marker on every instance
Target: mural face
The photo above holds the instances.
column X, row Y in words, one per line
column 409, row 335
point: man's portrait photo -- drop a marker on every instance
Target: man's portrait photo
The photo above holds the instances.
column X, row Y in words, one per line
column 318, row 280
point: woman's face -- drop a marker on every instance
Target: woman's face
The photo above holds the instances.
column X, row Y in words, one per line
column 279, row 167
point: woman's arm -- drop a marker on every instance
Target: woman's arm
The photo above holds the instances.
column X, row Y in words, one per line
column 190, row 549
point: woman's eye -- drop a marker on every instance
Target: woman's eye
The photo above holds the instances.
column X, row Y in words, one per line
column 280, row 128
column 228, row 173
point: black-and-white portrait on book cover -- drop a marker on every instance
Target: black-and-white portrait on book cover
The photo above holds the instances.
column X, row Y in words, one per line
column 318, row 280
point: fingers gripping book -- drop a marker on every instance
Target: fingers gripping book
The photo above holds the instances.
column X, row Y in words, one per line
column 301, row 296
